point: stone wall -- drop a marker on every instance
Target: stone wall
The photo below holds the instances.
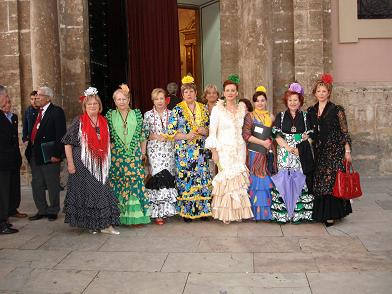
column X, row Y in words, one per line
column 368, row 110
column 44, row 42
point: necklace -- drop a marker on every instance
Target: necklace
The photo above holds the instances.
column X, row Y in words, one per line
column 193, row 111
column 96, row 127
column 164, row 127
column 125, row 122
column 293, row 128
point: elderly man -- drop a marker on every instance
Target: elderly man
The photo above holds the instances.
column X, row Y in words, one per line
column 10, row 161
column 44, row 153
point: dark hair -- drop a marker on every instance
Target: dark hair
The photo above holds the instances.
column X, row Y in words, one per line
column 257, row 94
column 229, row 82
column 249, row 106
column 288, row 93
column 34, row 93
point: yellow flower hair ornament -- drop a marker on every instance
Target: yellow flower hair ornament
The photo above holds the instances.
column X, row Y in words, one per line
column 261, row 89
column 124, row 88
column 187, row 80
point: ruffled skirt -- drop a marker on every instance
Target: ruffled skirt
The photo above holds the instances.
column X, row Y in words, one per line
column 230, row 200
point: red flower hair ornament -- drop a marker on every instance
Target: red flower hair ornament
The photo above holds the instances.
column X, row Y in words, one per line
column 327, row 79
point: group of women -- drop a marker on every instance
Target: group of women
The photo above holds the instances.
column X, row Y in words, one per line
column 219, row 158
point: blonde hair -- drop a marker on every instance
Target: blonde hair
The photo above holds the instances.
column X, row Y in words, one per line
column 96, row 97
column 209, row 87
column 156, row 91
column 127, row 95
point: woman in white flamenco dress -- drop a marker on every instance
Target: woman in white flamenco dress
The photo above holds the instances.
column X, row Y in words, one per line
column 230, row 200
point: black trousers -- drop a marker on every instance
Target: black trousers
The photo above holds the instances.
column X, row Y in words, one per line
column 14, row 201
column 5, row 177
column 44, row 177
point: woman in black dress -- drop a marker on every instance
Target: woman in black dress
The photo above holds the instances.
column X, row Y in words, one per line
column 90, row 203
column 332, row 145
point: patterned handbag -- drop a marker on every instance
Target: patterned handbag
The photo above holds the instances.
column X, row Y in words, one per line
column 347, row 184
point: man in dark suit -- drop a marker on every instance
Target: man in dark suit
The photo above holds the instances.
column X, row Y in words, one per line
column 44, row 153
column 15, row 195
column 30, row 115
column 10, row 161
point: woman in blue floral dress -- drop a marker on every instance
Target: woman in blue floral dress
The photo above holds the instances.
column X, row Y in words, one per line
column 188, row 124
column 126, row 171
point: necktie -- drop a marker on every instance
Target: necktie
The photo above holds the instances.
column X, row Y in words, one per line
column 36, row 125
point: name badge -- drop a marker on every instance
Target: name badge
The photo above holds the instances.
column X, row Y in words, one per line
column 259, row 130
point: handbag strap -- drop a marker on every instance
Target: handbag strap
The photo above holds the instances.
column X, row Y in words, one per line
column 349, row 167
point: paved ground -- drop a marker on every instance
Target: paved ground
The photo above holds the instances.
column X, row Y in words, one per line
column 354, row 256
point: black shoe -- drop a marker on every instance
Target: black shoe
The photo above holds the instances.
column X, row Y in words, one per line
column 205, row 219
column 329, row 224
column 8, row 225
column 36, row 217
column 8, row 230
column 52, row 217
column 187, row 220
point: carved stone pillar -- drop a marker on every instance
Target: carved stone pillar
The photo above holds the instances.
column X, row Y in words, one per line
column 45, row 47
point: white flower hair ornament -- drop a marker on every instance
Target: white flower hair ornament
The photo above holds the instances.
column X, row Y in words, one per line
column 90, row 91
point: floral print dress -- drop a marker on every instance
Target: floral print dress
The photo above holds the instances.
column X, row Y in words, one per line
column 162, row 193
column 127, row 173
column 193, row 179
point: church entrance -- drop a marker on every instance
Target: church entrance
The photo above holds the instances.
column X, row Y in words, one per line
column 148, row 44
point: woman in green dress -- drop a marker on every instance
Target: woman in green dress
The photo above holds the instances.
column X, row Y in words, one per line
column 126, row 171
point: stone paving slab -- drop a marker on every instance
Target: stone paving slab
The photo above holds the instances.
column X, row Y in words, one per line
column 311, row 229
column 254, row 244
column 376, row 242
column 352, row 261
column 332, row 244
column 151, row 244
column 235, row 283
column 137, row 283
column 351, row 283
column 293, row 262
column 27, row 280
column 113, row 261
column 75, row 241
column 209, row 262
column 261, row 229
column 33, row 258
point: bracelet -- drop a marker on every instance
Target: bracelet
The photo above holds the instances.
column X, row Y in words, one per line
column 348, row 151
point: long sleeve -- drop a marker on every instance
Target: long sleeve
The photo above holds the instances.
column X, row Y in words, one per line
column 172, row 127
column 61, row 129
column 25, row 133
column 247, row 127
column 146, row 124
column 212, row 141
column 343, row 125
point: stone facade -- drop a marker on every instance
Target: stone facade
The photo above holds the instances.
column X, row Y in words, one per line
column 266, row 42
column 44, row 42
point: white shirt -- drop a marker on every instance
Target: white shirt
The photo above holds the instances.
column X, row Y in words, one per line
column 44, row 109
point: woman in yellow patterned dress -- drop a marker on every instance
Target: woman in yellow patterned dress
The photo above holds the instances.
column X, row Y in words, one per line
column 126, row 171
column 188, row 124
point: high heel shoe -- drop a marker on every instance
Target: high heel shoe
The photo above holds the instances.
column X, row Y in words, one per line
column 329, row 223
column 110, row 230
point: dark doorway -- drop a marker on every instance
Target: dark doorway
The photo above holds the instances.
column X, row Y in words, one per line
column 108, row 47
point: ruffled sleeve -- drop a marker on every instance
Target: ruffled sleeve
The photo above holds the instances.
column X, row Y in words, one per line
column 142, row 132
column 211, row 141
column 247, row 127
column 71, row 137
column 343, row 125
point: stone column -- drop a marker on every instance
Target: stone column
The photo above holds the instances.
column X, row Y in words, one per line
column 45, row 48
column 247, row 44
column 308, row 43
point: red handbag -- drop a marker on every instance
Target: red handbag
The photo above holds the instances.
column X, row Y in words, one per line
column 347, row 184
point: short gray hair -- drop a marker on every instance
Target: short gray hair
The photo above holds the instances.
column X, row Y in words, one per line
column 172, row 88
column 46, row 91
column 3, row 90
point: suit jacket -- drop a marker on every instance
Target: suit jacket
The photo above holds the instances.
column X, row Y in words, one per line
column 10, row 158
column 52, row 129
column 30, row 116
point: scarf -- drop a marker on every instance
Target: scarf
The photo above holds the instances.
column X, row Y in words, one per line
column 193, row 122
column 95, row 149
column 263, row 116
